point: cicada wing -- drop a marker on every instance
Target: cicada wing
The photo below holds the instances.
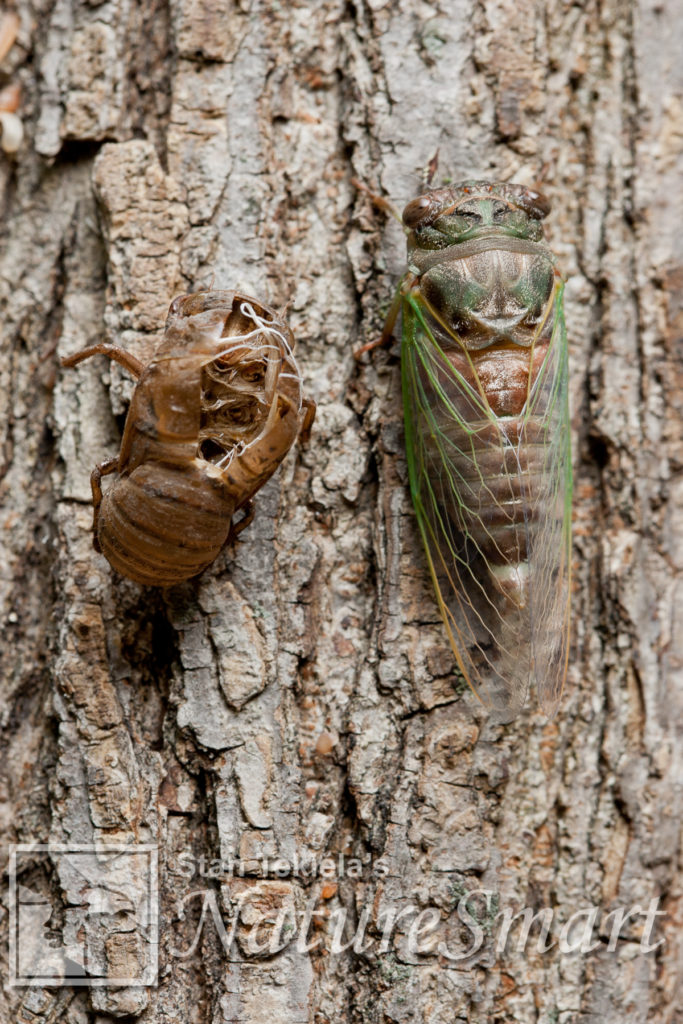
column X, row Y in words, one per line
column 453, row 441
column 547, row 428
column 485, row 523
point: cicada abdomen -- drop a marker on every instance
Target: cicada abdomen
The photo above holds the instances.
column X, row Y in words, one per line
column 484, row 368
column 212, row 415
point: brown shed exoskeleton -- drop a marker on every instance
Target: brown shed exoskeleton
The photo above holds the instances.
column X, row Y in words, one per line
column 212, row 415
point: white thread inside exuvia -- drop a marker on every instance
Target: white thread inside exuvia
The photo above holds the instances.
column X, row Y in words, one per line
column 279, row 348
column 262, row 327
column 247, row 310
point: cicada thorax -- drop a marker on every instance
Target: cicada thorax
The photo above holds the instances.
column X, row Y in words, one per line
column 212, row 416
column 480, row 317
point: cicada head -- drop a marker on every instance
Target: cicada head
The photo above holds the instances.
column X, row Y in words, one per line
column 457, row 213
column 478, row 259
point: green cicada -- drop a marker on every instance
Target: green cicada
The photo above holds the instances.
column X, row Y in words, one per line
column 484, row 370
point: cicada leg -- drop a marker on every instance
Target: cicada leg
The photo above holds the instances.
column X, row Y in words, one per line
column 387, row 207
column 309, row 408
column 236, row 528
column 392, row 316
column 113, row 352
column 379, row 201
column 103, row 469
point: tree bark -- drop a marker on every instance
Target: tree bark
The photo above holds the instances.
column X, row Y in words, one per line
column 297, row 701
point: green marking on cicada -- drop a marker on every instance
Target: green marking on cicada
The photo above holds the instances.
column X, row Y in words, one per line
column 484, row 374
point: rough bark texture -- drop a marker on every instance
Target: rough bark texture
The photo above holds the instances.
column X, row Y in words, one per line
column 298, row 699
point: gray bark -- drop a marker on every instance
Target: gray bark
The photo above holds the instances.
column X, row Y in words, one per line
column 298, row 699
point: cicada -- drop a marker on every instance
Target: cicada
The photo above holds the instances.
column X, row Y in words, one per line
column 484, row 375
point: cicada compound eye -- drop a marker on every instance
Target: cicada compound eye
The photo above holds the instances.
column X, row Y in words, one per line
column 417, row 210
column 535, row 204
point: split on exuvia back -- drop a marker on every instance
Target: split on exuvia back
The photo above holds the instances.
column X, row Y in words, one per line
column 484, row 372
